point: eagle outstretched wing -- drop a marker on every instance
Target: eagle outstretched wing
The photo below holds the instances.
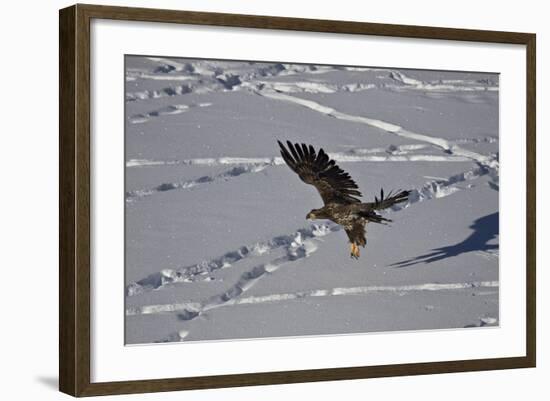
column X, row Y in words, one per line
column 333, row 184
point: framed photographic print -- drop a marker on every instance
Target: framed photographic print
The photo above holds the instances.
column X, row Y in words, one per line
column 250, row 200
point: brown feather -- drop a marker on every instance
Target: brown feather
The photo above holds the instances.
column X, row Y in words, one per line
column 333, row 184
column 356, row 233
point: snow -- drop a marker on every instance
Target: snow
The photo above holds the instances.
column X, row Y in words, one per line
column 217, row 244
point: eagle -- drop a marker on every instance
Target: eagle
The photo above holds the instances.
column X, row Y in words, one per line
column 339, row 192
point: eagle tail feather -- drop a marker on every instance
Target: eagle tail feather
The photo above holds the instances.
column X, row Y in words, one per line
column 392, row 198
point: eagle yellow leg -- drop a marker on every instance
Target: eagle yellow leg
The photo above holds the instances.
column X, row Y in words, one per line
column 355, row 251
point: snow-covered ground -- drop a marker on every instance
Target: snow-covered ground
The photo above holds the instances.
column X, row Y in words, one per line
column 217, row 244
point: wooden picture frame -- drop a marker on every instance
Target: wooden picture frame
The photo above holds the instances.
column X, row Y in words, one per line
column 74, row 200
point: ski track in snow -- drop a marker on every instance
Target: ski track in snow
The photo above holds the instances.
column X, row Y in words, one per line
column 389, row 153
column 351, row 157
column 193, row 309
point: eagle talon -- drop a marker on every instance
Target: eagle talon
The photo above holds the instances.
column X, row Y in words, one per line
column 354, row 251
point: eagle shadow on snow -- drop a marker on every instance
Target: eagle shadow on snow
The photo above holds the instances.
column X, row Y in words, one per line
column 485, row 229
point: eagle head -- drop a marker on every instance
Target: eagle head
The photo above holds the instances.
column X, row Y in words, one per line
column 311, row 215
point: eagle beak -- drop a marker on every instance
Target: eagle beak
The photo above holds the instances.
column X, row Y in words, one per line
column 310, row 216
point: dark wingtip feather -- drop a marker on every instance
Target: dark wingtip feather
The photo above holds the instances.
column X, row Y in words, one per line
column 289, row 144
column 289, row 160
column 293, row 151
column 298, row 150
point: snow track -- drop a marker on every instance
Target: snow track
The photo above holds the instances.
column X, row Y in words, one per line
column 351, row 157
column 295, row 244
column 207, row 179
column 165, row 111
column 191, row 310
column 455, row 85
column 384, row 126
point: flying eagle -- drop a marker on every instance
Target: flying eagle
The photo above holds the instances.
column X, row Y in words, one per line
column 339, row 193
